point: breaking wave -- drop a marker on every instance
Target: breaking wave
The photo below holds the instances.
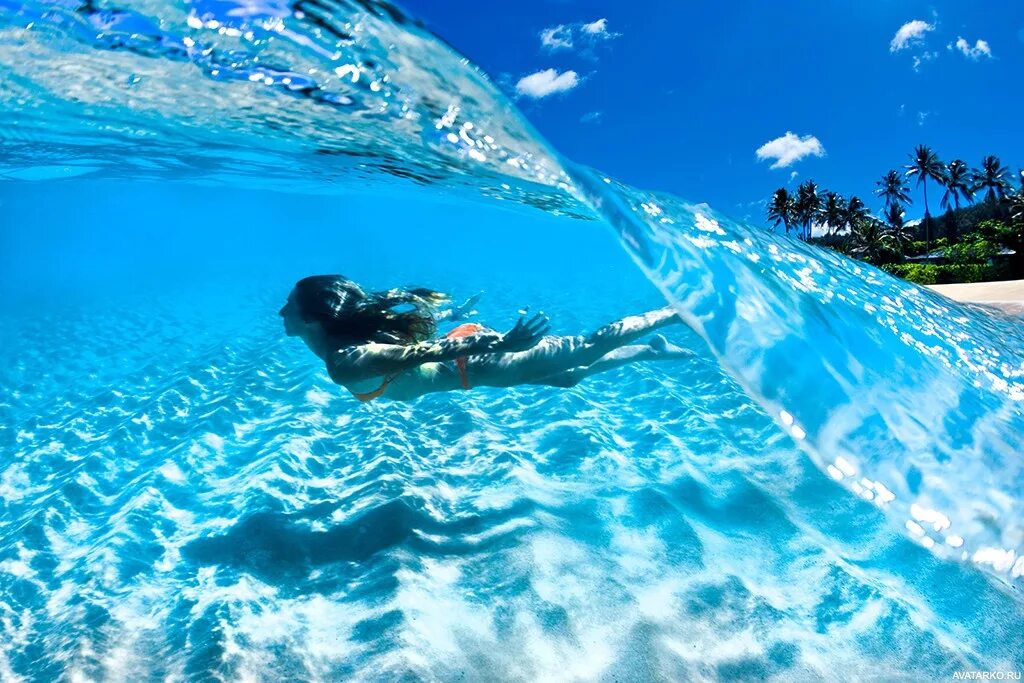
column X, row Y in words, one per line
column 210, row 506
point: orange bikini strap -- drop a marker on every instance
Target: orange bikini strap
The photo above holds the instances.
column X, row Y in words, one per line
column 463, row 330
column 368, row 396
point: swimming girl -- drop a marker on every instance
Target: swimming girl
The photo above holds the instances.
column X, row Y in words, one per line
column 382, row 344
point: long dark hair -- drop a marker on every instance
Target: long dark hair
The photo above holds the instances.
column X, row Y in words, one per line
column 347, row 313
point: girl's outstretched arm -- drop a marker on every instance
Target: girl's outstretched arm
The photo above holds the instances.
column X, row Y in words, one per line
column 355, row 363
column 460, row 312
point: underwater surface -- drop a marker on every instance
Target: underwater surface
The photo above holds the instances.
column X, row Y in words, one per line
column 830, row 488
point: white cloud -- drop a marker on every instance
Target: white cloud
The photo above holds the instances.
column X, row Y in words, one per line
column 922, row 116
column 922, row 58
column 591, row 117
column 980, row 49
column 566, row 36
column 557, row 37
column 911, row 33
column 547, row 82
column 793, row 175
column 789, row 149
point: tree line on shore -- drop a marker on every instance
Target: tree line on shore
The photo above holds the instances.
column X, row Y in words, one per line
column 983, row 226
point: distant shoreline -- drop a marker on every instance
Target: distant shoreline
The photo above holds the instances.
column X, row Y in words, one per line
column 1006, row 295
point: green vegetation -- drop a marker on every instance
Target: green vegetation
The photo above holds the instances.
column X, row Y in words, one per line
column 972, row 242
column 926, row 274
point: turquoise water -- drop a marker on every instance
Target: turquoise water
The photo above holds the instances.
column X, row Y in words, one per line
column 831, row 487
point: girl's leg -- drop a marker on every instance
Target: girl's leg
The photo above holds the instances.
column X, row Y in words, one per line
column 658, row 349
column 554, row 355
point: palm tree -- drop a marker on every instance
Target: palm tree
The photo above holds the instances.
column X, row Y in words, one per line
column 855, row 210
column 991, row 177
column 1017, row 207
column 833, row 212
column 781, row 208
column 894, row 216
column 808, row 206
column 925, row 164
column 958, row 186
column 868, row 239
column 896, row 233
column 1017, row 200
column 892, row 189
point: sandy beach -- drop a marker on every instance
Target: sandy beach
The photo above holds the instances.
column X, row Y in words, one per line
column 1007, row 295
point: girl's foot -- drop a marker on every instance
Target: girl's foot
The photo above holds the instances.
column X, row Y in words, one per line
column 663, row 348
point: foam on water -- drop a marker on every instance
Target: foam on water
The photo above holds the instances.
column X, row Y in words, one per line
column 186, row 495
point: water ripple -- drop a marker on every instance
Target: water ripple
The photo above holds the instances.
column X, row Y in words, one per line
column 224, row 513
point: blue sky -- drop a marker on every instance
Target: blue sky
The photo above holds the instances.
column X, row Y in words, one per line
column 680, row 96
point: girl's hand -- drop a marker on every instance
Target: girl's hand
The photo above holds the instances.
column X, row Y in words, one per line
column 525, row 334
column 465, row 310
